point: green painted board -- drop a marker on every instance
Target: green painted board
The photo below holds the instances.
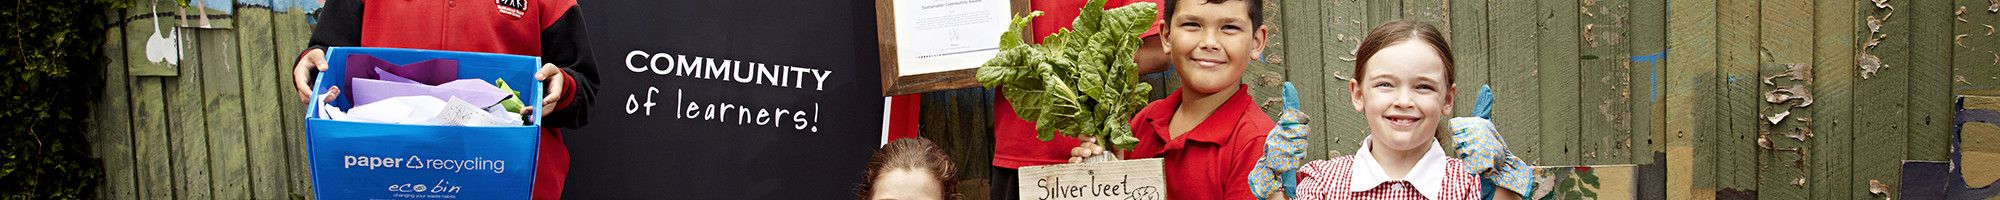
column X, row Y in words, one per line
column 1649, row 50
column 1978, row 61
column 261, row 114
column 1303, row 31
column 1785, row 40
column 1341, row 128
column 291, row 33
column 1559, row 38
column 110, row 132
column 1932, row 46
column 189, row 132
column 1886, row 124
column 149, row 127
column 1690, row 86
column 1469, row 51
column 1737, row 54
column 1833, row 108
column 222, row 101
column 151, row 39
column 1605, row 135
column 1516, row 87
column 1380, row 11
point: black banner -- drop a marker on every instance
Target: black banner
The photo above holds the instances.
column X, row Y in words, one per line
column 738, row 99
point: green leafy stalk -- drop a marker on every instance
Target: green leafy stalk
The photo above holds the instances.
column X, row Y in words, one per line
column 1080, row 81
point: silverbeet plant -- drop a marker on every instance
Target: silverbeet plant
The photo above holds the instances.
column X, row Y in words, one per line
column 1080, row 80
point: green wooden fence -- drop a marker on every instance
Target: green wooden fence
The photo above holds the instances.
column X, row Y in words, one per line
column 218, row 121
column 1734, row 133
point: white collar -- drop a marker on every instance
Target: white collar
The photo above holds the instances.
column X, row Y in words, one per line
column 1427, row 176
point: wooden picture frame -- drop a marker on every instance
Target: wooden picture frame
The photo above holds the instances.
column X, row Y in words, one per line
column 895, row 82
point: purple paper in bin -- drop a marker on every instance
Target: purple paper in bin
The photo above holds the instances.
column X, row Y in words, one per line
column 428, row 72
column 474, row 91
column 391, row 77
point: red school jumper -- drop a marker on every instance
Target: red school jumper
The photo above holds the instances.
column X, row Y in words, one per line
column 550, row 29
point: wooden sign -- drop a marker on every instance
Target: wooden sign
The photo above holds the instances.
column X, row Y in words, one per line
column 931, row 45
column 1125, row 179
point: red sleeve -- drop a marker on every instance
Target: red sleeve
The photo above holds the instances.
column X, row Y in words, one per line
column 552, row 10
column 568, row 88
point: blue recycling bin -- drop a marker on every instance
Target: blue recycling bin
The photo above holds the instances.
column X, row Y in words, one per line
column 362, row 160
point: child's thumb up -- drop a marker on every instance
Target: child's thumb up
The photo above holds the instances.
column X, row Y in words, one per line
column 1291, row 96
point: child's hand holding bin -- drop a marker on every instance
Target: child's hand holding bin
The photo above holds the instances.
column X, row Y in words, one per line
column 314, row 61
column 1283, row 150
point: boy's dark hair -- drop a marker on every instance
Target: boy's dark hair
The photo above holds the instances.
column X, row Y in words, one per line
column 1399, row 31
column 1256, row 10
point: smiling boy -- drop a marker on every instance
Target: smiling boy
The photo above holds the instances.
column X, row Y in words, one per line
column 1209, row 130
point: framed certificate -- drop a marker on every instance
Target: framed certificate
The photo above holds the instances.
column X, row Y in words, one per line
column 931, row 45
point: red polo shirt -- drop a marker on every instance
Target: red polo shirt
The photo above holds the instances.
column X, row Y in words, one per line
column 1213, row 160
column 1015, row 143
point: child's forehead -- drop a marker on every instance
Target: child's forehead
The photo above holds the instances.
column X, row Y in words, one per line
column 1206, row 9
column 1406, row 59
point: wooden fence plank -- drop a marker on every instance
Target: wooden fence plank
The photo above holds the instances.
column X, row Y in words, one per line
column 1833, row 105
column 1304, row 31
column 149, row 127
column 189, row 132
column 154, row 158
column 1931, row 102
column 222, row 94
column 1428, row 11
column 1649, row 65
column 1690, row 91
column 1978, row 62
column 1560, row 37
column 1973, row 66
column 1516, row 87
column 1886, row 123
column 261, row 114
column 1737, row 53
column 1380, row 11
column 292, row 32
column 1605, row 92
column 1340, row 129
column 1649, row 51
column 110, row 132
column 1785, row 40
column 151, row 33
column 1266, row 76
column 1469, row 50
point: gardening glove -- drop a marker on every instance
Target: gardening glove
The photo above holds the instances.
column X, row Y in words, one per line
column 1283, row 149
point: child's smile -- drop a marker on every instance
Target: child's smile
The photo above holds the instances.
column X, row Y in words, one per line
column 1209, row 41
column 1405, row 94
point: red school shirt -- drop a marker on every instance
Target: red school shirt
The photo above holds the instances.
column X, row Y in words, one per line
column 551, row 29
column 1211, row 161
column 1015, row 143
